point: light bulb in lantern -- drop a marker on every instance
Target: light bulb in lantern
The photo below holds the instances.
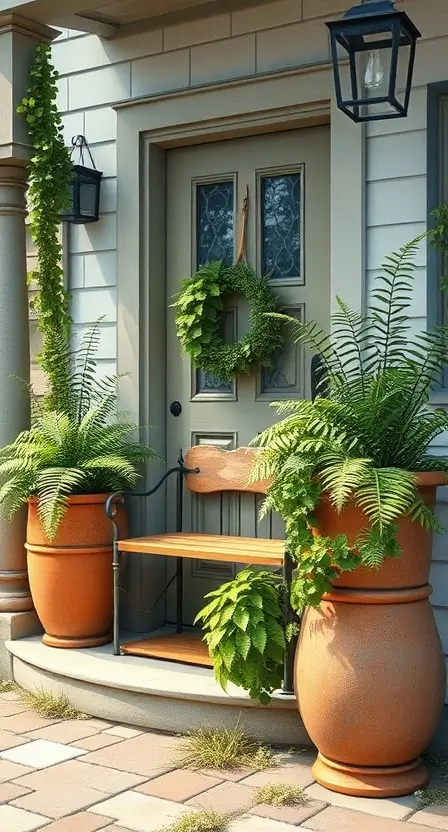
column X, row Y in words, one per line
column 374, row 76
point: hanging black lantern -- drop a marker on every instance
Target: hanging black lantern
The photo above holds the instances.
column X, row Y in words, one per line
column 84, row 187
column 379, row 42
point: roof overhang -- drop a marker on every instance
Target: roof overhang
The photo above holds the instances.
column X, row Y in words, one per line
column 108, row 18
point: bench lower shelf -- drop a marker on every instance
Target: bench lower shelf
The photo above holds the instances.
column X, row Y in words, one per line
column 187, row 648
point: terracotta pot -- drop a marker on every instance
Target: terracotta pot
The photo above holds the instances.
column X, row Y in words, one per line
column 370, row 670
column 71, row 576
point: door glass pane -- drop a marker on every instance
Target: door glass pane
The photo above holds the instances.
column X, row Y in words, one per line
column 214, row 222
column 214, row 241
column 280, row 225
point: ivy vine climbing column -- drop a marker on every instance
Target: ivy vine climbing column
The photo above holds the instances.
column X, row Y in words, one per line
column 17, row 51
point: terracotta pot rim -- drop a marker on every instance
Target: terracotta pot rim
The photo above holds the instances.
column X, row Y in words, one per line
column 431, row 478
column 365, row 595
column 80, row 499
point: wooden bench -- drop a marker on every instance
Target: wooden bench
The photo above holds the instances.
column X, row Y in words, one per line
column 205, row 470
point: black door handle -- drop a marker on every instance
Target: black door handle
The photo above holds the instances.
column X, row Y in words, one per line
column 175, row 408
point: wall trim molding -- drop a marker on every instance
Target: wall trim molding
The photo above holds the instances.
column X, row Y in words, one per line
column 291, row 72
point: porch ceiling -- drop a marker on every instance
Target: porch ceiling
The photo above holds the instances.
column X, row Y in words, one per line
column 109, row 18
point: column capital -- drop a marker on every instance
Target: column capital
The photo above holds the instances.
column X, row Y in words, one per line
column 23, row 26
column 19, row 38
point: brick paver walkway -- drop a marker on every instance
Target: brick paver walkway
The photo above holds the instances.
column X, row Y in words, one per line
column 89, row 775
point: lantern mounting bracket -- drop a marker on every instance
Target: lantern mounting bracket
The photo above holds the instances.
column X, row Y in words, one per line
column 80, row 143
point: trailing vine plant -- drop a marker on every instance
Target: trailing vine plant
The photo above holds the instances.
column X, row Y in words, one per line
column 50, row 172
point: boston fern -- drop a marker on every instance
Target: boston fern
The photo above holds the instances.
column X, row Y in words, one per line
column 364, row 438
column 244, row 631
column 363, row 441
column 81, row 448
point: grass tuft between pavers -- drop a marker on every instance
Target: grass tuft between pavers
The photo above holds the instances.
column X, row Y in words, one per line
column 432, row 797
column 204, row 820
column 280, row 794
column 49, row 705
column 227, row 748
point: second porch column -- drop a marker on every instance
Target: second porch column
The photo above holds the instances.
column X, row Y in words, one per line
column 14, row 364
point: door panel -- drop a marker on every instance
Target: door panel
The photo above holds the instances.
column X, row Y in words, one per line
column 288, row 237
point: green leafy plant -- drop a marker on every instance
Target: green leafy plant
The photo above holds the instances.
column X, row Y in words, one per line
column 199, row 305
column 79, row 449
column 365, row 440
column 280, row 794
column 244, row 631
column 50, row 171
column 227, row 748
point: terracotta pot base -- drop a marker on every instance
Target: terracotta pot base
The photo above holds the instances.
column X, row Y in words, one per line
column 76, row 643
column 360, row 781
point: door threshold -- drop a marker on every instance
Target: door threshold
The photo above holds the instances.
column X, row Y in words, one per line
column 186, row 648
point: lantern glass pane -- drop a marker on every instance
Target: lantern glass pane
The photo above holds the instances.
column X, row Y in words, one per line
column 404, row 57
column 87, row 198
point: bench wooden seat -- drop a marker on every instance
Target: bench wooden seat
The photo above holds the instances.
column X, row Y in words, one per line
column 249, row 550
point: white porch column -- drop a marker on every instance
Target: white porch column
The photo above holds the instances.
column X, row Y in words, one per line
column 14, row 362
column 18, row 41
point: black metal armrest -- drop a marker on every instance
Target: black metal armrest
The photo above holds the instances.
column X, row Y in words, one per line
column 118, row 496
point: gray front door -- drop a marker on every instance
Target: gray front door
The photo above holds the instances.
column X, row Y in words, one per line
column 288, row 237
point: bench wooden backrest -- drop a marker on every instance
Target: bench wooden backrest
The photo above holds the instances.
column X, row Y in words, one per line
column 222, row 470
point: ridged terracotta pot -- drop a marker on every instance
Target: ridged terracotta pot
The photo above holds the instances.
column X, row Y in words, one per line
column 71, row 576
column 370, row 670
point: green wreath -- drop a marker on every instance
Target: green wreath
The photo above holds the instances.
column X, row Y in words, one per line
column 198, row 307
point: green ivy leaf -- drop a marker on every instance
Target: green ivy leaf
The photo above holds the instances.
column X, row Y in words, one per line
column 243, row 643
column 241, row 618
column 258, row 637
column 214, row 639
column 227, row 650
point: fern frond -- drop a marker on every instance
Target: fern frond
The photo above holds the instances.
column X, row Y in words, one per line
column 54, row 486
column 85, row 446
column 385, row 495
column 342, row 476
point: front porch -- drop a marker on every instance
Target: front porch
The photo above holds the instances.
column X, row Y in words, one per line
column 265, row 117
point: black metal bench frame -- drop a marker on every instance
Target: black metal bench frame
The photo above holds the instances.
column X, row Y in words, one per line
column 118, row 498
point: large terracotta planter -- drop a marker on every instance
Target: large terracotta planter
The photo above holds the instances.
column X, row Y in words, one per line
column 370, row 671
column 71, row 576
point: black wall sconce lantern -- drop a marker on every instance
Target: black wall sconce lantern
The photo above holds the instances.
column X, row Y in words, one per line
column 84, row 187
column 379, row 42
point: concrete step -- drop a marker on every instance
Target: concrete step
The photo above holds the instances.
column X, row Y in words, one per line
column 155, row 694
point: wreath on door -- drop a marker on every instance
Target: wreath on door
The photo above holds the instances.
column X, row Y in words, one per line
column 200, row 303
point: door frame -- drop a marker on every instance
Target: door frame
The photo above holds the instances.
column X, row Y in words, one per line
column 146, row 129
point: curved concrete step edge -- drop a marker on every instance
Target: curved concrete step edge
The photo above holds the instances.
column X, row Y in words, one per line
column 117, row 697
column 156, row 678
